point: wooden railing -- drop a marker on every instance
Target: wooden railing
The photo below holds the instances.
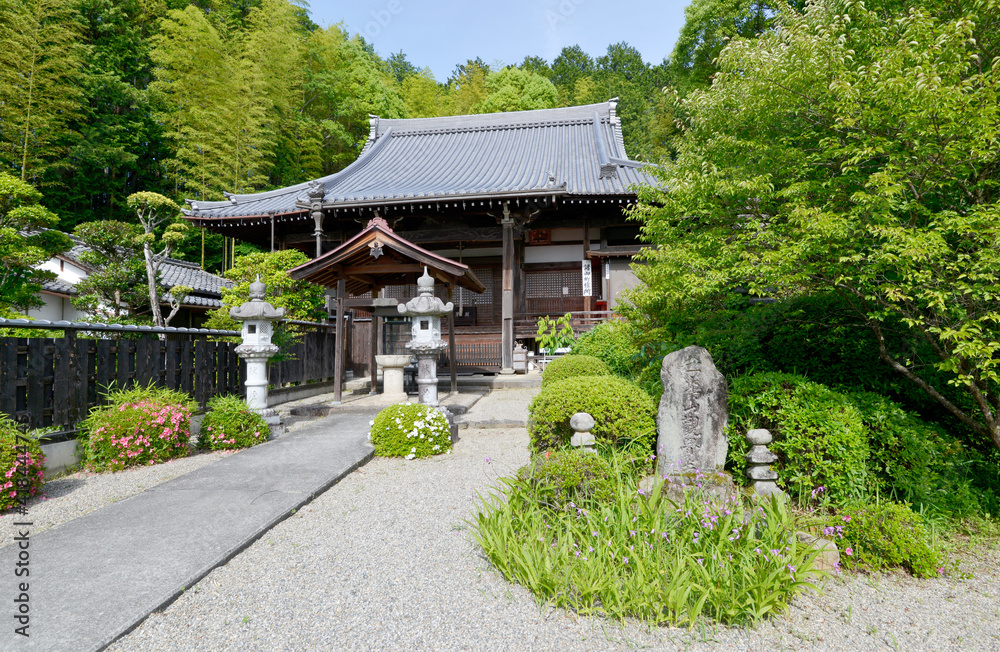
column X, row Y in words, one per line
column 526, row 324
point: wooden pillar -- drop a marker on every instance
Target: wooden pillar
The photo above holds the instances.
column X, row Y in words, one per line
column 338, row 356
column 373, row 370
column 588, row 299
column 507, row 296
column 272, row 233
column 451, row 345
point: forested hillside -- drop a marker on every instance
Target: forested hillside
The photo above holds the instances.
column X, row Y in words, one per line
column 103, row 98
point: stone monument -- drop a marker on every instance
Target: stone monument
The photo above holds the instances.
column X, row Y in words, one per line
column 691, row 442
column 257, row 315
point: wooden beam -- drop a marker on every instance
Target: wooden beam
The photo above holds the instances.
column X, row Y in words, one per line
column 338, row 356
column 454, row 234
column 384, row 269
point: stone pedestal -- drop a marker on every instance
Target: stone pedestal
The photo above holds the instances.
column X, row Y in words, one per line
column 427, row 379
column 392, row 375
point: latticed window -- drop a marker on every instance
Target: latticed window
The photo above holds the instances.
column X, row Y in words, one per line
column 553, row 284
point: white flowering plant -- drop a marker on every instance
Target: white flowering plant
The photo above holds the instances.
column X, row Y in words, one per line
column 410, row 430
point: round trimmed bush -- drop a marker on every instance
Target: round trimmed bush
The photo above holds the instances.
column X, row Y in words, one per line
column 622, row 412
column 231, row 424
column 559, row 478
column 574, row 365
column 22, row 464
column 410, row 430
column 140, row 426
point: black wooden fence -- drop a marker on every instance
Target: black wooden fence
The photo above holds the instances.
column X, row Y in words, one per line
column 55, row 381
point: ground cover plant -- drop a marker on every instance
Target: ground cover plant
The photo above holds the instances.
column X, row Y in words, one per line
column 138, row 426
column 231, row 424
column 410, row 430
column 622, row 412
column 885, row 534
column 22, row 465
column 641, row 556
column 574, row 365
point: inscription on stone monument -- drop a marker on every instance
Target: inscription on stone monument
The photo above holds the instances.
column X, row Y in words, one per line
column 693, row 414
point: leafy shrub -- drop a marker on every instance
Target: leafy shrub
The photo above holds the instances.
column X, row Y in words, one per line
column 410, row 430
column 142, row 425
column 916, row 461
column 555, row 333
column 230, row 423
column 819, row 435
column 574, row 365
column 613, row 342
column 622, row 412
column 633, row 556
column 651, row 382
column 888, row 535
column 22, row 464
column 563, row 479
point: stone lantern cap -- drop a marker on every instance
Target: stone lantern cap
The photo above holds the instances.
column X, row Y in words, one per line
column 425, row 304
column 256, row 307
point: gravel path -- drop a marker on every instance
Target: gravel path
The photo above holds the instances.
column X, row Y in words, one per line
column 383, row 561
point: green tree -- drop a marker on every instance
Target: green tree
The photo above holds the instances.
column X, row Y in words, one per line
column 121, row 146
column 115, row 290
column 572, row 65
column 301, row 300
column 513, row 89
column 467, row 86
column 27, row 239
column 163, row 229
column 424, row 97
column 708, row 26
column 852, row 154
column 40, row 64
column 400, row 67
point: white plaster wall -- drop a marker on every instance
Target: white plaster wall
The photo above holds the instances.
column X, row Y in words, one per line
column 57, row 309
column 622, row 278
column 553, row 254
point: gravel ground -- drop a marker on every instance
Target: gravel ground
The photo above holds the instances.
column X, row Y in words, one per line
column 384, row 561
column 82, row 492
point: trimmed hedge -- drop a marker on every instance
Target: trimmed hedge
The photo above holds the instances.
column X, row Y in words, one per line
column 22, row 465
column 819, row 434
column 410, row 430
column 231, row 424
column 572, row 365
column 622, row 412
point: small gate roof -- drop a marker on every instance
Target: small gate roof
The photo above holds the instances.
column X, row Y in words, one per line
column 377, row 256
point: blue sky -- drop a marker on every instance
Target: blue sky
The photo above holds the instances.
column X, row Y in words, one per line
column 442, row 33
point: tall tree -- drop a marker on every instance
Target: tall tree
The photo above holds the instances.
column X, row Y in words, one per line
column 156, row 213
column 27, row 239
column 850, row 153
column 121, row 145
column 467, row 86
column 424, row 97
column 513, row 89
column 40, row 63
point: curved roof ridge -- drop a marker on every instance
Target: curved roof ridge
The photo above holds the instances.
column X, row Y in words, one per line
column 480, row 121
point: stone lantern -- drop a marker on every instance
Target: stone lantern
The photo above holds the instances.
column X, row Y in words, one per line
column 425, row 312
column 257, row 348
